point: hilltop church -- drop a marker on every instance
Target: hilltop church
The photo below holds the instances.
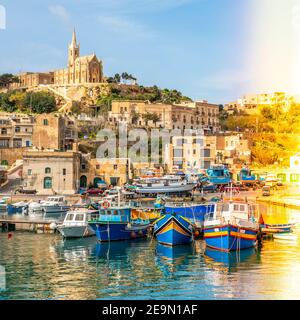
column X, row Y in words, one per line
column 80, row 70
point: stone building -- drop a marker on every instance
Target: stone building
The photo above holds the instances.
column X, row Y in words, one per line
column 113, row 171
column 54, row 131
column 16, row 131
column 195, row 115
column 51, row 171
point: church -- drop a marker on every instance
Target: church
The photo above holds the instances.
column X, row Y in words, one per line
column 85, row 69
column 80, row 70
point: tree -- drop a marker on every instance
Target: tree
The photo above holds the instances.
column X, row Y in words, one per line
column 6, row 104
column 40, row 102
column 7, row 78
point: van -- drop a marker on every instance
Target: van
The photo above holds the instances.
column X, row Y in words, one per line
column 266, row 191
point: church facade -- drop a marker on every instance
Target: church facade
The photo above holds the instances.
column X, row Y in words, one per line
column 80, row 70
column 85, row 69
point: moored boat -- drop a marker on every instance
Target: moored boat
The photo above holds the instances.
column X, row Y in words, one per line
column 173, row 229
column 75, row 224
column 115, row 223
column 219, row 175
column 17, row 208
column 232, row 226
column 194, row 212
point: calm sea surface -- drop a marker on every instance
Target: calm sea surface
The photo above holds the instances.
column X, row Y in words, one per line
column 45, row 267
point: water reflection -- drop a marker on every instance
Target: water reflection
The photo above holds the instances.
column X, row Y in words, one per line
column 230, row 261
column 169, row 258
column 46, row 267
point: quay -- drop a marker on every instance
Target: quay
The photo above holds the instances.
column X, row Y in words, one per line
column 24, row 224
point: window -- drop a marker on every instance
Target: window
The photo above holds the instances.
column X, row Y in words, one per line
column 294, row 177
column 97, row 166
column 83, row 167
column 236, row 207
column 47, row 183
column 79, row 217
column 70, row 217
column 3, row 131
column 29, row 172
column 48, row 170
column 17, row 129
column 46, row 122
column 115, row 166
column 64, row 172
column 242, row 208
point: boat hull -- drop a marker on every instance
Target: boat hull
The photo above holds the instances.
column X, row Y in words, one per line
column 276, row 228
column 230, row 238
column 118, row 231
column 76, row 231
column 165, row 189
column 173, row 230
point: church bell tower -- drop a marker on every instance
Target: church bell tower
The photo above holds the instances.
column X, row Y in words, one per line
column 73, row 51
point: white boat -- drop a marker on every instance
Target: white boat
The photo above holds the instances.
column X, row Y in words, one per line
column 164, row 185
column 285, row 236
column 75, row 224
column 35, row 210
column 55, row 205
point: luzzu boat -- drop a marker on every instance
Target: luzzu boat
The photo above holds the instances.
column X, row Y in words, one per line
column 232, row 226
column 173, row 229
column 115, row 223
column 246, row 176
column 194, row 212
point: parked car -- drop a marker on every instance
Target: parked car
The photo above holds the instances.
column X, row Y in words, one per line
column 93, row 191
column 266, row 191
column 25, row 191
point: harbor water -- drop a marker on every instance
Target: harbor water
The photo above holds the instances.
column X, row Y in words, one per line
column 46, row 267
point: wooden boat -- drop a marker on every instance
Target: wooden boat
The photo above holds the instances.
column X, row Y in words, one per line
column 114, row 223
column 285, row 236
column 232, row 226
column 173, row 229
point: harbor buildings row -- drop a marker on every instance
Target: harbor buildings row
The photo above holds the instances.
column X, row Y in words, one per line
column 252, row 103
column 190, row 115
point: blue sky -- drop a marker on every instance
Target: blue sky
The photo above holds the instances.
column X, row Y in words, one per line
column 199, row 47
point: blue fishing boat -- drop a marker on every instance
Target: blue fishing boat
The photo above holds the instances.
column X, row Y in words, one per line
column 194, row 212
column 115, row 223
column 17, row 208
column 232, row 227
column 219, row 174
column 173, row 229
column 246, row 176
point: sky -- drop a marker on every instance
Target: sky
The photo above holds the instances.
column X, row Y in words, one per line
column 217, row 50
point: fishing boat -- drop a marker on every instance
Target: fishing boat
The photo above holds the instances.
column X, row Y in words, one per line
column 218, row 174
column 3, row 205
column 115, row 223
column 17, row 208
column 194, row 212
column 75, row 224
column 232, row 226
column 55, row 205
column 164, row 185
column 276, row 228
column 173, row 229
column 246, row 176
column 285, row 236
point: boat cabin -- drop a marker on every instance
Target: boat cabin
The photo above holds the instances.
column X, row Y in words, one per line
column 115, row 214
column 56, row 199
column 78, row 217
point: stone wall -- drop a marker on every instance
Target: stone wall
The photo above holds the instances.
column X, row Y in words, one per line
column 12, row 154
